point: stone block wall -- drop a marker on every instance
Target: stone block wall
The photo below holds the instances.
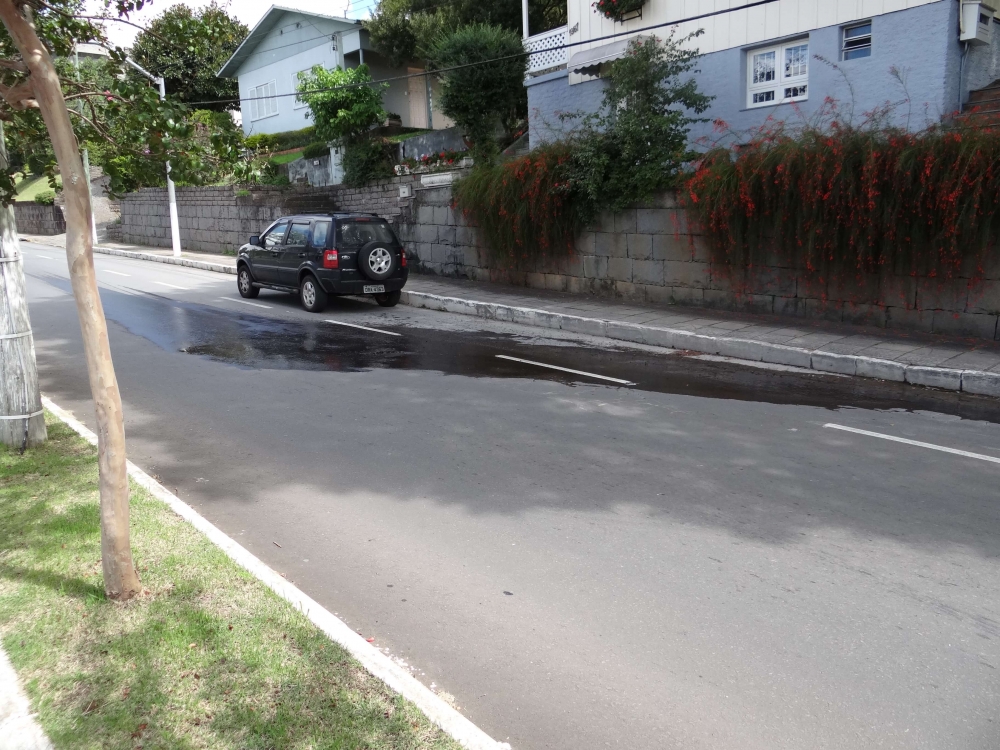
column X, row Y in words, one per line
column 220, row 219
column 36, row 218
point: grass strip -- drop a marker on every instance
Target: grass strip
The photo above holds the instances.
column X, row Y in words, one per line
column 285, row 158
column 206, row 657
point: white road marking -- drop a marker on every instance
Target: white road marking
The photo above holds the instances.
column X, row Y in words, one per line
column 244, row 302
column 47, row 257
column 363, row 328
column 893, row 438
column 172, row 286
column 116, row 273
column 566, row 369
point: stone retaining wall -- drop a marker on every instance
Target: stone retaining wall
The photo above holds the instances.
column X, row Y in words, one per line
column 37, row 218
column 648, row 253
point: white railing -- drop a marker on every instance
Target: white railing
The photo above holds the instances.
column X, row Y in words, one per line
column 547, row 60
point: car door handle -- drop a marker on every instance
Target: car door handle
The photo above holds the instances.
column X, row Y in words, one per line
column 302, row 255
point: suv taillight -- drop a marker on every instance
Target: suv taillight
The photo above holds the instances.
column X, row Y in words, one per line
column 402, row 258
column 331, row 259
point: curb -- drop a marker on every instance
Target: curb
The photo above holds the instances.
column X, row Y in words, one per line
column 19, row 730
column 967, row 381
column 467, row 734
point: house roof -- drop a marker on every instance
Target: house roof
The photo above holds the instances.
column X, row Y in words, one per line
column 263, row 27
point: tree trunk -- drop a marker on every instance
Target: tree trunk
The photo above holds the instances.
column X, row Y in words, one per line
column 120, row 578
column 21, row 420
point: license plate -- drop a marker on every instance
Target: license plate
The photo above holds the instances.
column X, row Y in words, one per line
column 374, row 289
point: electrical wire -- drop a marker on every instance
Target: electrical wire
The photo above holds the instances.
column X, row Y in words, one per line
column 526, row 53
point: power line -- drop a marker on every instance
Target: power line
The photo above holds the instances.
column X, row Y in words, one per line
column 525, row 53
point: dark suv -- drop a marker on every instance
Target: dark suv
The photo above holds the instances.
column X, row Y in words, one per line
column 315, row 255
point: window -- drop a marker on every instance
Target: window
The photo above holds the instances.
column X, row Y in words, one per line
column 263, row 101
column 857, row 42
column 776, row 75
column 275, row 235
column 296, row 80
column 298, row 234
column 358, row 232
column 321, row 231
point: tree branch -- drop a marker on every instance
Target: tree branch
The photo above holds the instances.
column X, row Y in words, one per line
column 15, row 65
column 19, row 96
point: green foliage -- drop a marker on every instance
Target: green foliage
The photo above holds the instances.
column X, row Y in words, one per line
column 482, row 98
column 635, row 146
column 261, row 142
column 839, row 201
column 367, row 160
column 269, row 175
column 316, row 150
column 46, row 197
column 290, row 139
column 527, row 207
column 188, row 48
column 404, row 30
column 349, row 104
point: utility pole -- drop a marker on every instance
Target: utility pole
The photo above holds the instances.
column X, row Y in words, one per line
column 175, row 231
column 86, row 156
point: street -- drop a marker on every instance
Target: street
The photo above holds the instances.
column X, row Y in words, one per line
column 686, row 559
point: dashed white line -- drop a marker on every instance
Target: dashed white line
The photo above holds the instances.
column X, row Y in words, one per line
column 173, row 286
column 116, row 273
column 47, row 257
column 363, row 328
column 566, row 369
column 931, row 446
column 244, row 302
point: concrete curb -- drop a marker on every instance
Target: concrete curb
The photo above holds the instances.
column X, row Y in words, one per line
column 169, row 259
column 968, row 381
column 467, row 734
column 18, row 728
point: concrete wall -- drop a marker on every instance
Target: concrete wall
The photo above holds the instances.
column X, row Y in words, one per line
column 34, row 218
column 648, row 253
column 921, row 42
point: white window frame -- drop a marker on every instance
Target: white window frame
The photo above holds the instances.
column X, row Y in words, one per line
column 299, row 104
column 263, row 101
column 845, row 49
column 788, row 85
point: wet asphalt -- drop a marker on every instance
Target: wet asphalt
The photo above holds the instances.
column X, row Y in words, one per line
column 690, row 561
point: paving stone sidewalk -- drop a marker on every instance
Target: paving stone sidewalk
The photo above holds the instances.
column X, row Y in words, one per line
column 18, row 728
column 967, row 364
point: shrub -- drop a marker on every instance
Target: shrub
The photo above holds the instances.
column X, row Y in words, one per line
column 270, row 175
column 261, row 142
column 348, row 107
column 45, row 197
column 840, row 201
column 527, row 207
column 367, row 160
column 316, row 150
column 284, row 141
column 482, row 98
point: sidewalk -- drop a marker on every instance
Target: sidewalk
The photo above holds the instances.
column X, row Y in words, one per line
column 960, row 364
column 18, row 728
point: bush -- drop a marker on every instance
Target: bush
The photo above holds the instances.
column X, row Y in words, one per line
column 261, row 142
column 527, row 207
column 839, row 201
column 270, row 175
column 45, row 197
column 367, row 160
column 284, row 141
column 482, row 98
column 316, row 150
column 349, row 105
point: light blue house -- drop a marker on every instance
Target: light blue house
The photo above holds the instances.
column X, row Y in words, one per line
column 782, row 59
column 287, row 42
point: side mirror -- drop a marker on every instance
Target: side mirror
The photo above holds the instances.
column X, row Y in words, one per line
column 255, row 239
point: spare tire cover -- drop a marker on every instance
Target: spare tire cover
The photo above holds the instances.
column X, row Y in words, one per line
column 377, row 261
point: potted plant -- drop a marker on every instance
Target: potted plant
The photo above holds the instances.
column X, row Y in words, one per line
column 392, row 120
column 620, row 10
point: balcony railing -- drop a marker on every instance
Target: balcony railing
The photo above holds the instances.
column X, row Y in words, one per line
column 552, row 60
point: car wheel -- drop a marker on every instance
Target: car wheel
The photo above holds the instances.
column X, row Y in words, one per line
column 312, row 295
column 244, row 282
column 389, row 299
column 377, row 261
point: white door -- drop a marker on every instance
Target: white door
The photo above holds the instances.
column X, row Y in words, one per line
column 417, row 93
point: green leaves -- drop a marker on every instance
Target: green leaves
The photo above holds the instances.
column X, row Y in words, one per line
column 345, row 104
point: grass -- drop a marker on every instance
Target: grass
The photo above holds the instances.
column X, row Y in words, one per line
column 206, row 657
column 285, row 158
column 30, row 187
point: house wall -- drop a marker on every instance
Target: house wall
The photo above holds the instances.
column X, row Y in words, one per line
column 921, row 42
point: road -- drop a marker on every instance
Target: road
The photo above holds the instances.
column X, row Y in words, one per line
column 691, row 561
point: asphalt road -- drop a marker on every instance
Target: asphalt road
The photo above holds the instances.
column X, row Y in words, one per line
column 692, row 561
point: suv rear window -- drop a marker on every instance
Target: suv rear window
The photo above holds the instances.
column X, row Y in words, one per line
column 358, row 232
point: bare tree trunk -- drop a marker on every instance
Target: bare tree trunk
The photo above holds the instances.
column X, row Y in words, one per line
column 21, row 420
column 120, row 578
